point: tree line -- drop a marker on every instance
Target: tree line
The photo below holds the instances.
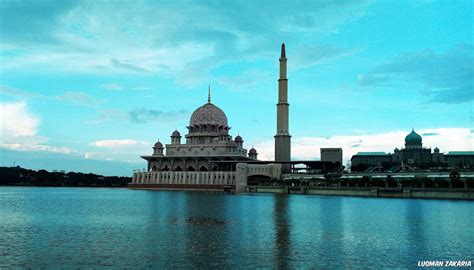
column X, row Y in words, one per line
column 17, row 176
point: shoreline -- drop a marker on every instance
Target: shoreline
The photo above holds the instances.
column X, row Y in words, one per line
column 372, row 192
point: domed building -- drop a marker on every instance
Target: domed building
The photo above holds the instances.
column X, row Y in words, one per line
column 208, row 145
column 413, row 154
column 413, row 140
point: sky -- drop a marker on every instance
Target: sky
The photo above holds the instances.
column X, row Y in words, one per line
column 91, row 85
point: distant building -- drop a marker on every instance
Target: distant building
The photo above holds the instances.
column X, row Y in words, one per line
column 414, row 155
column 460, row 159
column 370, row 159
column 332, row 155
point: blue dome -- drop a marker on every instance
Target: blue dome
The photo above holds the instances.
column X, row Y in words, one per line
column 413, row 138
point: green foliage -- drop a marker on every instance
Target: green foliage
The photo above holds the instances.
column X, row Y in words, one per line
column 17, row 176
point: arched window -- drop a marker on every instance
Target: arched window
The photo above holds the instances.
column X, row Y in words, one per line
column 203, row 169
column 191, row 168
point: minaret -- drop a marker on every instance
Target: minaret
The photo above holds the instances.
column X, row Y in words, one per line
column 282, row 137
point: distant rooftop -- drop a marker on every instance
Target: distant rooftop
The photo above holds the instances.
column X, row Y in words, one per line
column 461, row 153
column 372, row 154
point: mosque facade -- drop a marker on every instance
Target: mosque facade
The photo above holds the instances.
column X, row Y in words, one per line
column 208, row 145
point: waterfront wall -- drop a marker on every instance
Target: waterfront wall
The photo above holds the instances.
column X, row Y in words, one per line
column 202, row 187
column 183, row 179
column 414, row 193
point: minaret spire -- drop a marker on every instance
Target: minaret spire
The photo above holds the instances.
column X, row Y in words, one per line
column 283, row 137
column 209, row 94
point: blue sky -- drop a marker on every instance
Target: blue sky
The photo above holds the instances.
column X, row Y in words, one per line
column 90, row 85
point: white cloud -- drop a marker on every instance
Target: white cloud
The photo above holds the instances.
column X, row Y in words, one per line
column 111, row 86
column 19, row 130
column 122, row 157
column 17, row 93
column 16, row 120
column 37, row 147
column 125, row 150
column 114, row 144
column 447, row 139
column 78, row 98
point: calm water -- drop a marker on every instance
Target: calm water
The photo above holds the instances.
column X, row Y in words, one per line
column 92, row 227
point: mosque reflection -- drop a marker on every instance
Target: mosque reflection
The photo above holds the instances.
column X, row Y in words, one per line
column 282, row 232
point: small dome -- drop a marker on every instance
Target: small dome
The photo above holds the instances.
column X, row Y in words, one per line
column 158, row 145
column 413, row 138
column 396, row 149
column 208, row 114
column 436, row 150
column 253, row 151
column 238, row 139
column 175, row 134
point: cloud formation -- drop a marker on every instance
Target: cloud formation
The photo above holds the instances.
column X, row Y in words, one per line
column 146, row 115
column 78, row 98
column 114, row 144
column 16, row 93
column 17, row 121
column 446, row 77
column 123, row 150
column 306, row 56
column 111, row 86
column 19, row 130
column 181, row 39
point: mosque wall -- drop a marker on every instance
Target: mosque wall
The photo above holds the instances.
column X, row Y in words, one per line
column 185, row 177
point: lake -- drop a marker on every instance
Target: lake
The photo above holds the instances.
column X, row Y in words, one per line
column 93, row 227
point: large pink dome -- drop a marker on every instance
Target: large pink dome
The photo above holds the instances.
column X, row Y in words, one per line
column 208, row 114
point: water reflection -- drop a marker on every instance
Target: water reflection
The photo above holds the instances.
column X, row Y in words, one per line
column 89, row 228
column 206, row 244
column 332, row 231
column 282, row 231
column 415, row 232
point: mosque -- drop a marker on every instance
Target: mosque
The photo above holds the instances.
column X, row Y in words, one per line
column 210, row 158
column 208, row 145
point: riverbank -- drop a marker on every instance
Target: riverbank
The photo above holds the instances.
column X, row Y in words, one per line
column 410, row 193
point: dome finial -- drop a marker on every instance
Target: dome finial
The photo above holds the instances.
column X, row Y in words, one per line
column 209, row 94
